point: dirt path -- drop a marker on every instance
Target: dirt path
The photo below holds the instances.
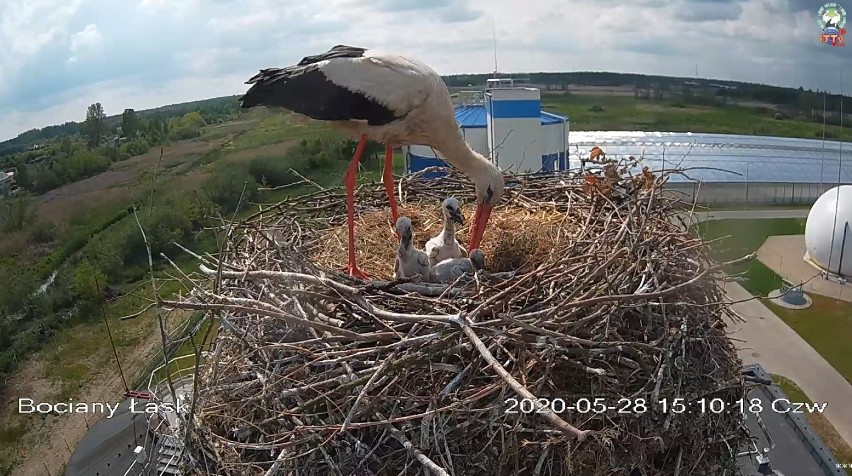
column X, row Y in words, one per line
column 46, row 443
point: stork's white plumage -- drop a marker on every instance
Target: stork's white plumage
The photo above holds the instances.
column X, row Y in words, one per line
column 451, row 269
column 385, row 97
column 445, row 245
column 410, row 262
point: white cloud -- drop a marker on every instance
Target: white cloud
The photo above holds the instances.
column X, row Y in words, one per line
column 167, row 51
column 86, row 38
column 27, row 27
column 246, row 21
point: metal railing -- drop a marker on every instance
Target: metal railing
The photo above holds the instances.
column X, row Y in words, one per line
column 470, row 98
column 156, row 388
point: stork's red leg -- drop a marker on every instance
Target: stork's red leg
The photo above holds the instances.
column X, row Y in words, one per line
column 349, row 181
column 387, row 177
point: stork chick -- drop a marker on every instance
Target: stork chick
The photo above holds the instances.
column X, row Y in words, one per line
column 410, row 262
column 445, row 245
column 449, row 270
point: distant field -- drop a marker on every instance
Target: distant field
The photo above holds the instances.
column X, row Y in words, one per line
column 624, row 113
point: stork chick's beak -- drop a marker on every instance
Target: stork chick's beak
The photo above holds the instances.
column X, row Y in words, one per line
column 405, row 238
column 480, row 219
column 456, row 216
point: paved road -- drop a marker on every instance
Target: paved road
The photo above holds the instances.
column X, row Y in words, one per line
column 755, row 214
column 780, row 350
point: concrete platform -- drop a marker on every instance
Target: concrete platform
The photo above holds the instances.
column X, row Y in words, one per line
column 785, row 255
column 107, row 448
column 775, row 297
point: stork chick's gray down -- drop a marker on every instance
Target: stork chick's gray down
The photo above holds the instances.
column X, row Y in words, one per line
column 451, row 269
column 445, row 245
column 410, row 262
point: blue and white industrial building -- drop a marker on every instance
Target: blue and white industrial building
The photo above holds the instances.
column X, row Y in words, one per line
column 505, row 123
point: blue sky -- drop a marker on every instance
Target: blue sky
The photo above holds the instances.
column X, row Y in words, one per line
column 58, row 56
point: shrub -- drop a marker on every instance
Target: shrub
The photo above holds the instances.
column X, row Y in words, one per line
column 272, row 171
column 110, row 153
column 43, row 232
column 225, row 187
column 596, row 108
column 135, row 147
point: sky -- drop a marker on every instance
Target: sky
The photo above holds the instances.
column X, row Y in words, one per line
column 59, row 56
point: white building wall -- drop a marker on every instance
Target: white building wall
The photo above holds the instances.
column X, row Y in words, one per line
column 422, row 151
column 517, row 144
column 477, row 138
column 514, row 128
column 732, row 193
column 551, row 138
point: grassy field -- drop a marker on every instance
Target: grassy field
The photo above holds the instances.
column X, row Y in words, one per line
column 822, row 427
column 739, row 237
column 826, row 325
column 629, row 114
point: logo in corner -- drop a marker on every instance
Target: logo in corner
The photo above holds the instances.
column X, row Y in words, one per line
column 831, row 18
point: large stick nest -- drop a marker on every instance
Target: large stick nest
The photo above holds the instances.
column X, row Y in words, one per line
column 593, row 298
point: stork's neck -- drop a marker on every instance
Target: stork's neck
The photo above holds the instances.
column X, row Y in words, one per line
column 449, row 226
column 455, row 150
column 404, row 247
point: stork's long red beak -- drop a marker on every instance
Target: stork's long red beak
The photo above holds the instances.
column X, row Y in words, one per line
column 480, row 219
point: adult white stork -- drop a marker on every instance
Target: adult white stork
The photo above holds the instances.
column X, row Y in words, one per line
column 385, row 97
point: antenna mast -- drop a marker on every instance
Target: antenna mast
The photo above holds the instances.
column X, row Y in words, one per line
column 494, row 32
column 837, row 199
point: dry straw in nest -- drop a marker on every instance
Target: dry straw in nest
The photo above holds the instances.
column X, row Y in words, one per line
column 613, row 309
column 517, row 239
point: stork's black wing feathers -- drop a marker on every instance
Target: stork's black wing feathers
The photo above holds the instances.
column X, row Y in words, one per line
column 304, row 89
column 339, row 51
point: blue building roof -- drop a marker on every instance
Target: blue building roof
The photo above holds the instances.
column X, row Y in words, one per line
column 475, row 117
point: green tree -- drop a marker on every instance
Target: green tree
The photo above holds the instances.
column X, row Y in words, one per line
column 94, row 128
column 66, row 147
column 18, row 214
column 22, row 174
column 130, row 124
column 44, row 179
column 86, row 280
column 187, row 126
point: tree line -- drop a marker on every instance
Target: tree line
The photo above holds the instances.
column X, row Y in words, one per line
column 100, row 141
column 792, row 98
column 212, row 110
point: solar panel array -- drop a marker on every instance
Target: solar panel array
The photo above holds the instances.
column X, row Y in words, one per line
column 725, row 157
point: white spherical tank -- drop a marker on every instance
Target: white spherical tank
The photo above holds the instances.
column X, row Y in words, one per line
column 828, row 231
